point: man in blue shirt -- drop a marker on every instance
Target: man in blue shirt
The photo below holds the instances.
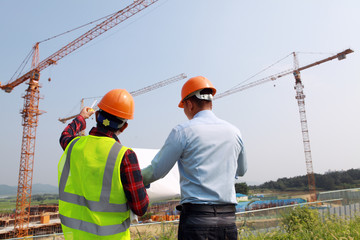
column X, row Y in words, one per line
column 210, row 156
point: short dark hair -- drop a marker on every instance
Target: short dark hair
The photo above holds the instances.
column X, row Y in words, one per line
column 200, row 102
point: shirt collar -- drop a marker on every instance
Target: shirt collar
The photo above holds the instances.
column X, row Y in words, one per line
column 101, row 132
column 204, row 113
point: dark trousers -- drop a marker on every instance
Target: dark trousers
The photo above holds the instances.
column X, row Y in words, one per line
column 207, row 222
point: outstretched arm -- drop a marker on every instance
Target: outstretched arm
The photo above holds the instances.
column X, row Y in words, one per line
column 75, row 127
column 165, row 159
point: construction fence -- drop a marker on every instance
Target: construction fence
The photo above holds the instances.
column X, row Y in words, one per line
column 271, row 217
column 348, row 195
column 346, row 207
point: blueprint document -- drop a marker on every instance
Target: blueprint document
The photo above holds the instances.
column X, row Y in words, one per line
column 162, row 189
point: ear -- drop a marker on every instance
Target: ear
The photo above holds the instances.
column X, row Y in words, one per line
column 123, row 127
column 190, row 105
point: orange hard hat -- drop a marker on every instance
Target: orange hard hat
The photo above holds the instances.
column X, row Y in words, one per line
column 119, row 103
column 195, row 84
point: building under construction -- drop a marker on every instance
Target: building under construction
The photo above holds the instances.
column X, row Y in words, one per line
column 44, row 219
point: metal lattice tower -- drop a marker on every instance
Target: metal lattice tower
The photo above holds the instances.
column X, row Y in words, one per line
column 30, row 115
column 300, row 97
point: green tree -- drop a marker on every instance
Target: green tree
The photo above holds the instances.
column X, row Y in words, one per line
column 281, row 184
column 39, row 198
column 300, row 219
column 242, row 188
column 326, row 182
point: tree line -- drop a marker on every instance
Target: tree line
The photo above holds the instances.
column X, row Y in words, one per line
column 331, row 180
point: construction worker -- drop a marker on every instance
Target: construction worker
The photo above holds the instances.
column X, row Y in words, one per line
column 99, row 179
column 210, row 155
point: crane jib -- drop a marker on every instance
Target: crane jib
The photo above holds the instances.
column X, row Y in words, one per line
column 107, row 24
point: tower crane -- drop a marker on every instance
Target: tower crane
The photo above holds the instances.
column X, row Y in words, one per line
column 137, row 92
column 300, row 96
column 31, row 110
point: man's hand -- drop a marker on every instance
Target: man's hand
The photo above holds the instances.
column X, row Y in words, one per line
column 86, row 112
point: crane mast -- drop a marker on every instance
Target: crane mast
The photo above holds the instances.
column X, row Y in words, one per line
column 300, row 97
column 31, row 110
column 30, row 114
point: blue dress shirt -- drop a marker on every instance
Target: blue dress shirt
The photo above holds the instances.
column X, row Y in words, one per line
column 210, row 155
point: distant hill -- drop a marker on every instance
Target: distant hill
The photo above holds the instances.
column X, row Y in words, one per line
column 38, row 188
column 332, row 180
column 44, row 188
column 6, row 190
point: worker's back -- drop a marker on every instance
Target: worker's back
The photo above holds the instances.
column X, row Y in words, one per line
column 209, row 161
column 92, row 201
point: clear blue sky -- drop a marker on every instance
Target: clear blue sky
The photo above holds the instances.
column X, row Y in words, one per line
column 226, row 41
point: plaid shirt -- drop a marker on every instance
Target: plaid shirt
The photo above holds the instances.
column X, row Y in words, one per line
column 130, row 172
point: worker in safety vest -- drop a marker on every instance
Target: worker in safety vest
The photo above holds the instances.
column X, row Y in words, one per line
column 99, row 179
column 210, row 156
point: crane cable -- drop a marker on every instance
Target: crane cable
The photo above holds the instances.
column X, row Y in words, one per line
column 74, row 29
column 20, row 69
column 27, row 58
column 323, row 53
column 125, row 26
column 22, row 65
column 263, row 70
column 89, row 24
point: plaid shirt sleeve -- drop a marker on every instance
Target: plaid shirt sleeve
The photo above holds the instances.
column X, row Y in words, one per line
column 72, row 130
column 132, row 181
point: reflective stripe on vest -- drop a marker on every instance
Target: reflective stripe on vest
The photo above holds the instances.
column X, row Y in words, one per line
column 103, row 205
column 94, row 228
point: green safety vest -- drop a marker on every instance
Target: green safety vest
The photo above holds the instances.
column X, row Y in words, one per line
column 92, row 202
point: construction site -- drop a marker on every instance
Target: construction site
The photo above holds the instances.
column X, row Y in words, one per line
column 28, row 220
column 44, row 219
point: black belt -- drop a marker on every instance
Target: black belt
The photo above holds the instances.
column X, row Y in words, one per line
column 208, row 208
